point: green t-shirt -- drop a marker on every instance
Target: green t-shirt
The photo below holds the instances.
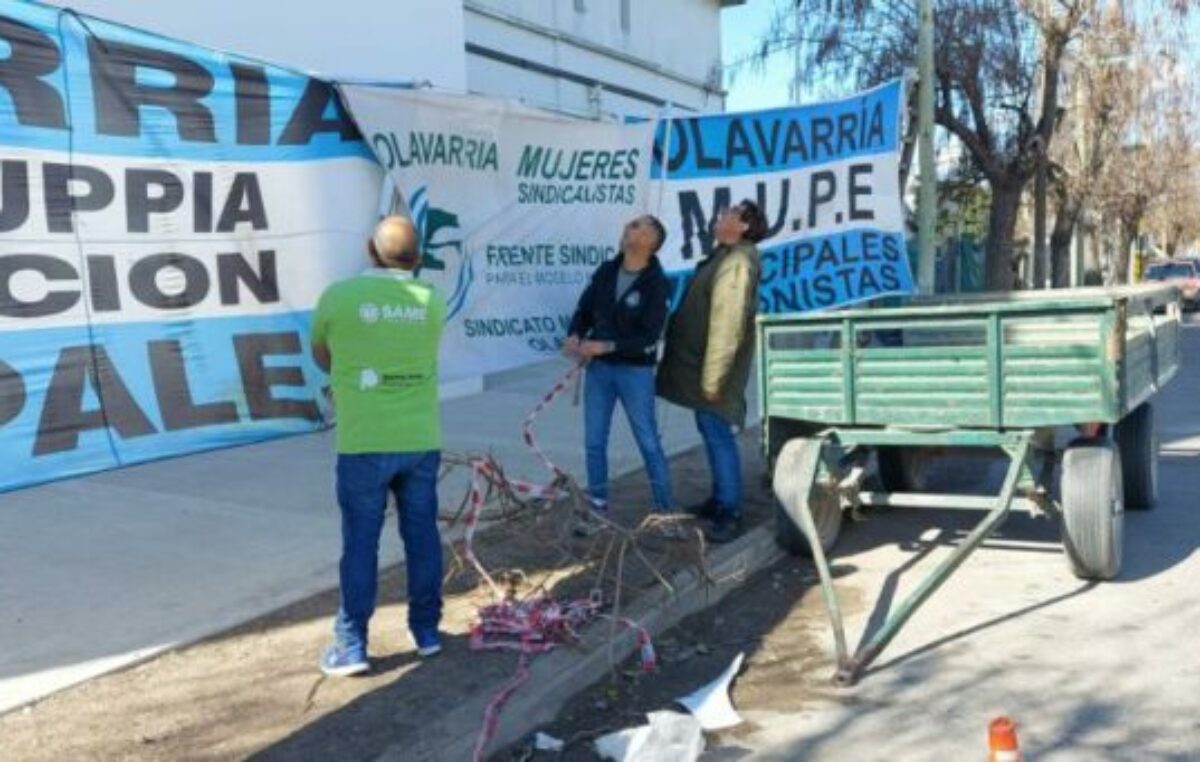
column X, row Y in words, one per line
column 382, row 329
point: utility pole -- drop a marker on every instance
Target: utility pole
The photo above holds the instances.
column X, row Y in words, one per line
column 1083, row 107
column 1042, row 270
column 1083, row 145
column 927, row 198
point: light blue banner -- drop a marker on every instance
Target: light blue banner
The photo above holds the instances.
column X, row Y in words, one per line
column 826, row 178
column 73, row 401
column 93, row 87
column 103, row 363
column 776, row 140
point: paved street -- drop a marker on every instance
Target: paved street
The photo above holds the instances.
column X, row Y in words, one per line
column 1108, row 671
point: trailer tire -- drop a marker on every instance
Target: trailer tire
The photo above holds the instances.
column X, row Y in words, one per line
column 792, row 489
column 1137, row 439
column 1093, row 509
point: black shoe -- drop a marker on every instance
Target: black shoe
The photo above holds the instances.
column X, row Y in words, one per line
column 726, row 527
column 706, row 510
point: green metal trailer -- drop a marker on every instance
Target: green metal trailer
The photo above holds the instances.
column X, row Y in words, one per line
column 996, row 371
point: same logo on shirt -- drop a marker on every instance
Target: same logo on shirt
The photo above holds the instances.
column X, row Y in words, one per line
column 369, row 313
column 368, row 379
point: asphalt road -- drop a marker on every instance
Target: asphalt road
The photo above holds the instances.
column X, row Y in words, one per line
column 1088, row 671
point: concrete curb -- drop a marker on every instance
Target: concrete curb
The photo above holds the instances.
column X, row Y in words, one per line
column 556, row 677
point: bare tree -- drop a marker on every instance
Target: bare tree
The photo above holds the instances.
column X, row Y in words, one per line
column 998, row 65
column 1175, row 218
column 1155, row 165
column 1101, row 102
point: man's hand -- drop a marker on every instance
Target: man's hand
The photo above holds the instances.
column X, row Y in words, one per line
column 571, row 347
column 590, row 349
column 711, row 398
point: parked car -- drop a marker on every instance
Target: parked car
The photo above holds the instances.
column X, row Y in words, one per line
column 1181, row 273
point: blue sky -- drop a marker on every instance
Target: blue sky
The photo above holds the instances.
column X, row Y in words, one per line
column 741, row 27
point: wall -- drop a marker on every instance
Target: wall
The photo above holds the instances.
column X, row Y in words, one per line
column 666, row 52
column 349, row 39
column 546, row 52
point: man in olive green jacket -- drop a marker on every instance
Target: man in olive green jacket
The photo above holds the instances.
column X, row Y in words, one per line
column 709, row 349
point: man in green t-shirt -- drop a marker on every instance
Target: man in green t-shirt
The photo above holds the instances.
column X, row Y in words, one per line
column 377, row 336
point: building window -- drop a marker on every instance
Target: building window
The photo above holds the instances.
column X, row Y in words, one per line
column 580, row 6
column 625, row 23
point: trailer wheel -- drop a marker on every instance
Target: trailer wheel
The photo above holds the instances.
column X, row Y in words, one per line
column 794, row 485
column 1093, row 503
column 1137, row 439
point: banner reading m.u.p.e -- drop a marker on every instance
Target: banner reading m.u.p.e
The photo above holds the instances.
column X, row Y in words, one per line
column 168, row 217
column 825, row 175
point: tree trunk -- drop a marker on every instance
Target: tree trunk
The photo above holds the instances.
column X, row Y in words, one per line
column 1120, row 271
column 1002, row 224
column 1091, row 259
column 1173, row 238
column 1065, row 222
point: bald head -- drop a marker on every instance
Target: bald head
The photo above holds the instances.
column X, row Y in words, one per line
column 395, row 243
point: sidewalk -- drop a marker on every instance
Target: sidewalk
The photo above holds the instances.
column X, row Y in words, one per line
column 255, row 691
column 104, row 571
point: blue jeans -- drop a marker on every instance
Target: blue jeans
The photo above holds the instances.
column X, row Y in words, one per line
column 633, row 385
column 363, row 482
column 724, row 461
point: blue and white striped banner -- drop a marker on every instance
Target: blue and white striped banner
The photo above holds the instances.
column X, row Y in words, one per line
column 825, row 175
column 168, row 217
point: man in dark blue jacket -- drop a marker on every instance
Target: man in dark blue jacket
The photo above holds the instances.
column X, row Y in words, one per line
column 616, row 328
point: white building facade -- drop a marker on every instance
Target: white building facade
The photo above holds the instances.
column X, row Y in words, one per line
column 585, row 57
column 597, row 57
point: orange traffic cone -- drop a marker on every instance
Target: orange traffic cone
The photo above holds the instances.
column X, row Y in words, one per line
column 1002, row 741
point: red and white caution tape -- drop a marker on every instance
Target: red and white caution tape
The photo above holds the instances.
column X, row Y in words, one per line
column 491, row 715
column 534, row 626
column 540, row 623
column 482, row 470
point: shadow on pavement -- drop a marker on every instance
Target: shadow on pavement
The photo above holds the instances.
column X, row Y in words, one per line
column 404, row 713
column 977, row 628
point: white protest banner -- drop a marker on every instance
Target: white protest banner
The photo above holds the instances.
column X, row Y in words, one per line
column 825, row 175
column 516, row 208
column 169, row 216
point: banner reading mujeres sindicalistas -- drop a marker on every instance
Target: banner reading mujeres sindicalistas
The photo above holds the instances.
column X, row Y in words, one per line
column 827, row 177
column 516, row 208
column 168, row 217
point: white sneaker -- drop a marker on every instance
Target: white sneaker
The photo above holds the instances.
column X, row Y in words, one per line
column 427, row 645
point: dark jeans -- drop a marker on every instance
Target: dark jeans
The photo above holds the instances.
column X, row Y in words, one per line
column 363, row 482
column 633, row 385
column 723, row 461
